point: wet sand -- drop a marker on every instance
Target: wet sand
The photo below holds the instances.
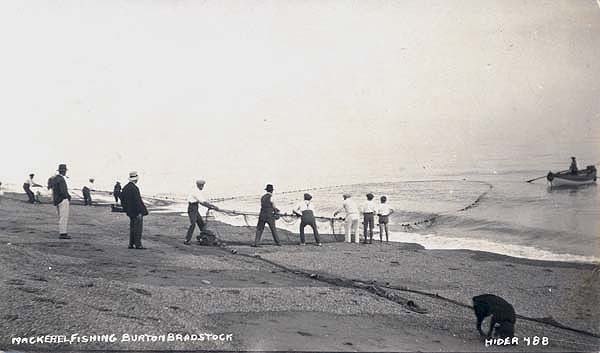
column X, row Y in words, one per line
column 286, row 298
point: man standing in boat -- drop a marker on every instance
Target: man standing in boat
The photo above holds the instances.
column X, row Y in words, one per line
column 573, row 168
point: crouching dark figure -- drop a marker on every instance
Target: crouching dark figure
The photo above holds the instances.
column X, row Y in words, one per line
column 503, row 315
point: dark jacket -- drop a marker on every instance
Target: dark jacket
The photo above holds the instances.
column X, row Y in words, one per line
column 132, row 202
column 59, row 189
column 117, row 190
column 267, row 210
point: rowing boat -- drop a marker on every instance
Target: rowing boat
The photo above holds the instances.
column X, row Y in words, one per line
column 582, row 177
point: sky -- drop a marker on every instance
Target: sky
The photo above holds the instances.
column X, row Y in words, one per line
column 296, row 93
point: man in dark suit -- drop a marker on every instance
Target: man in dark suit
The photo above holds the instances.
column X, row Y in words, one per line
column 268, row 214
column 133, row 205
column 61, row 199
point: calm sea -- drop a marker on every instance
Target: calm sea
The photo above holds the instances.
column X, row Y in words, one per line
column 426, row 176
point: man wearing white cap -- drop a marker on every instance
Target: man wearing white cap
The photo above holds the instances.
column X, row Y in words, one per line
column 195, row 199
column 352, row 216
column 133, row 205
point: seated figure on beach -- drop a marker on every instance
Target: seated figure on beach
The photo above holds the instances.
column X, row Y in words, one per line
column 306, row 211
column 369, row 210
column 351, row 219
column 87, row 192
column 195, row 199
column 268, row 214
column 383, row 214
column 573, row 168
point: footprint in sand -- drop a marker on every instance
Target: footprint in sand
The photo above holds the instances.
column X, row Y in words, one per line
column 15, row 282
column 302, row 333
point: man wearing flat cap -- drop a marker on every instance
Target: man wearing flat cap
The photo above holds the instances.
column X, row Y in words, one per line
column 61, row 199
column 267, row 215
column 306, row 211
column 133, row 205
column 195, row 199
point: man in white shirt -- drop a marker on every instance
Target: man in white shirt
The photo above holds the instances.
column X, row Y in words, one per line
column 306, row 211
column 195, row 199
column 27, row 185
column 352, row 215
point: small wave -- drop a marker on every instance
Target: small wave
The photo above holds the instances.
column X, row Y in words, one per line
column 434, row 241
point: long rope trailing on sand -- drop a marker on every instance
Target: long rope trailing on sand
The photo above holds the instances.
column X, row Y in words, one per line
column 386, row 291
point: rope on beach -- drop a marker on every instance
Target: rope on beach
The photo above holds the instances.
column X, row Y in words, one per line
column 546, row 320
column 384, row 291
column 348, row 283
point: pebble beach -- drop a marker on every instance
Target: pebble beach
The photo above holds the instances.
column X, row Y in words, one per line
column 338, row 297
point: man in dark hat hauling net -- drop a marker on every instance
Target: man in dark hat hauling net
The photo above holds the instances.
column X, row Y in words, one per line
column 268, row 214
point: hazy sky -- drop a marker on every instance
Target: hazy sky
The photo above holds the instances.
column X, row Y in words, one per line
column 291, row 92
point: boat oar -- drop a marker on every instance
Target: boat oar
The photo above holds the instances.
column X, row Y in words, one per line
column 530, row 180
